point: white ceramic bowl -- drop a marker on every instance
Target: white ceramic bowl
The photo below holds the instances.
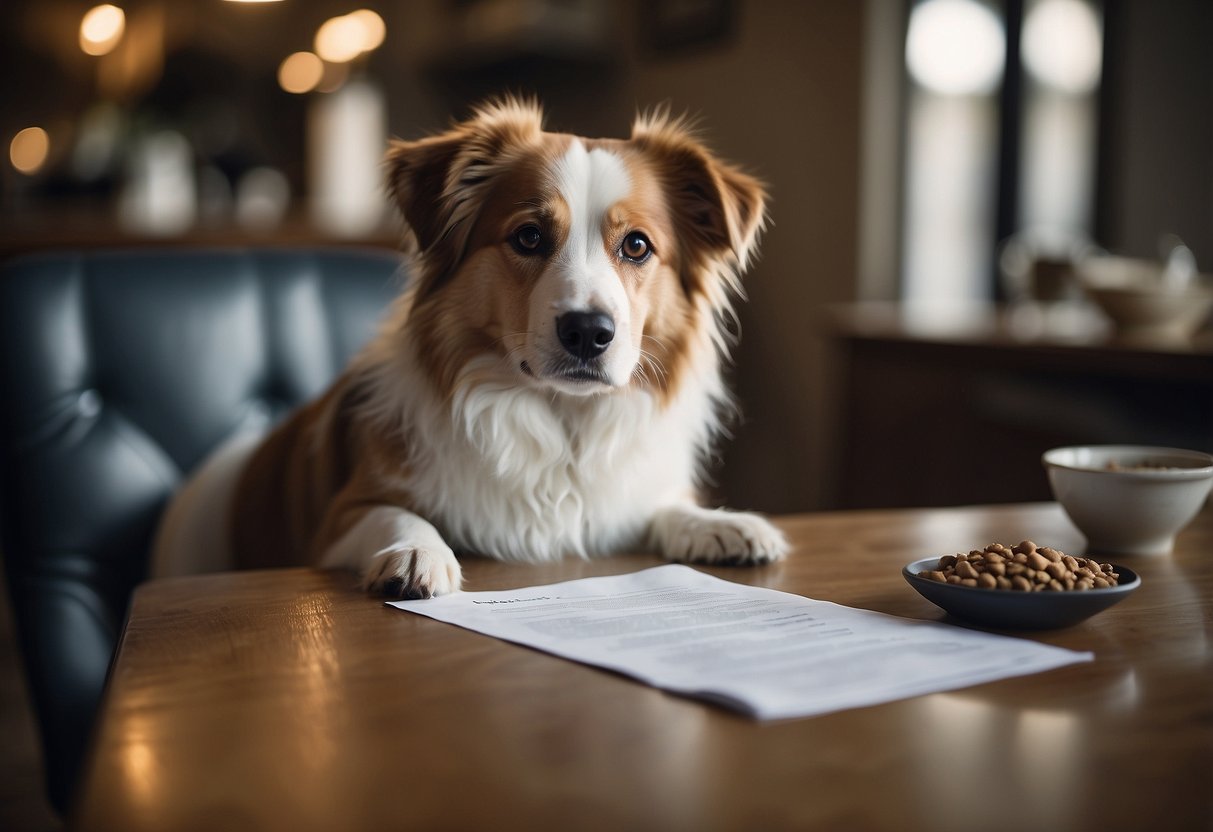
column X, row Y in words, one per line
column 1129, row 499
column 1139, row 300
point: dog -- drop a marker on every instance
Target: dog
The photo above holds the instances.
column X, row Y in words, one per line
column 548, row 384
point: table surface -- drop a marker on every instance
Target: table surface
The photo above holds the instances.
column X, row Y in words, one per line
column 288, row 699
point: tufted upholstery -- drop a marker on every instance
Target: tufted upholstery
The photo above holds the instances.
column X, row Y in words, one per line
column 119, row 372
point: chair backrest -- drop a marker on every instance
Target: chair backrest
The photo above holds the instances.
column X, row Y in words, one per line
column 119, row 372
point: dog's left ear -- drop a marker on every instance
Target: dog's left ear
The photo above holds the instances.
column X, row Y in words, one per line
column 713, row 202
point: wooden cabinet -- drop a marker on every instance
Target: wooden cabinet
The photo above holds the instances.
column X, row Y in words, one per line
column 954, row 406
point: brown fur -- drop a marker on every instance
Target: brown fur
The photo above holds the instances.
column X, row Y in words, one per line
column 462, row 194
column 309, row 482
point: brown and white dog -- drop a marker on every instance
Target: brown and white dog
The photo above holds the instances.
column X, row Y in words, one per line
column 548, row 385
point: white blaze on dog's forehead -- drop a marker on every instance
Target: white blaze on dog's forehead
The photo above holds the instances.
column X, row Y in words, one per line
column 590, row 182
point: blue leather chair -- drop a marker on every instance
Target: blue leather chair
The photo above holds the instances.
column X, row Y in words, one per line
column 119, row 372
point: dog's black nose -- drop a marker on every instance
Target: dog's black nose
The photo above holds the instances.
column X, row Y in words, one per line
column 585, row 335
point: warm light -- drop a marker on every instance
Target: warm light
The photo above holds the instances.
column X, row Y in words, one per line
column 372, row 26
column 1062, row 45
column 340, row 39
column 29, row 149
column 101, row 29
column 300, row 72
column 955, row 47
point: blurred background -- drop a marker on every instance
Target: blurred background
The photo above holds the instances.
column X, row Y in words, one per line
column 942, row 153
column 942, row 172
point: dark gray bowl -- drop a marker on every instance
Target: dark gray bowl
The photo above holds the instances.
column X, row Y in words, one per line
column 1010, row 610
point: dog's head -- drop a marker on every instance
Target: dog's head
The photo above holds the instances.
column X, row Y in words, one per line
column 581, row 266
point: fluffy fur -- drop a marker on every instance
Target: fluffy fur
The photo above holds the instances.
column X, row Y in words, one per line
column 482, row 420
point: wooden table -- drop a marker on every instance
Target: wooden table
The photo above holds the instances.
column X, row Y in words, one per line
column 290, row 700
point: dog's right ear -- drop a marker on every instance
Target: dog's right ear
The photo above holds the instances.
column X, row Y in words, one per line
column 439, row 183
column 417, row 175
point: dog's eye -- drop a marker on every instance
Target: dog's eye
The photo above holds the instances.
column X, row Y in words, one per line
column 528, row 239
column 636, row 247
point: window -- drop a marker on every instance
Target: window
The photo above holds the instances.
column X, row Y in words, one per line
column 999, row 133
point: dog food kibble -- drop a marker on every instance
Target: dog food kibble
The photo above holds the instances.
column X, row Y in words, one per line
column 1113, row 465
column 1025, row 567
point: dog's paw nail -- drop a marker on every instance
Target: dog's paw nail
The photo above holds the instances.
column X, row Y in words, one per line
column 414, row 573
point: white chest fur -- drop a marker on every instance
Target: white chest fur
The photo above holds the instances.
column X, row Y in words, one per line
column 524, row 474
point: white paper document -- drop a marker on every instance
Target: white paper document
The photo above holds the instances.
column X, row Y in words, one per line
column 769, row 654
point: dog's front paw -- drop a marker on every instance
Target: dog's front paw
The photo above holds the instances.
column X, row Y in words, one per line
column 721, row 537
column 413, row 572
